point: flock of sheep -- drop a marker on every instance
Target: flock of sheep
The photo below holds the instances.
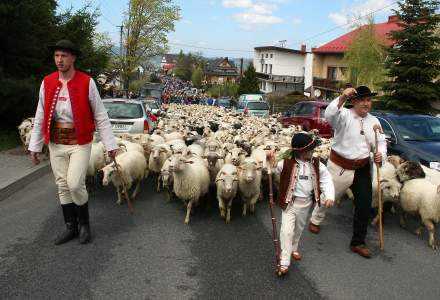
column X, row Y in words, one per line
column 195, row 149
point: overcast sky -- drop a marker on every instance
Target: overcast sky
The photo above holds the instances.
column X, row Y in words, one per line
column 244, row 24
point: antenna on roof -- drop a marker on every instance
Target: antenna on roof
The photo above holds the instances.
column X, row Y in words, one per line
column 282, row 43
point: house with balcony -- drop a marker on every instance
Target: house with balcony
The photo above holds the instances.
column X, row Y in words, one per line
column 281, row 71
column 167, row 63
column 221, row 71
column 329, row 71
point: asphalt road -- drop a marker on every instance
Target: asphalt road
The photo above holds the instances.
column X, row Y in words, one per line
column 153, row 255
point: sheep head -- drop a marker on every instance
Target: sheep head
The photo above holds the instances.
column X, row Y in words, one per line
column 410, row 170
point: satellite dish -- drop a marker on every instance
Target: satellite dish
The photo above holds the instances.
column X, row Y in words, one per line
column 317, row 93
column 101, row 78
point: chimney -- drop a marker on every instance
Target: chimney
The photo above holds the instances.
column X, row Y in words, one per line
column 303, row 48
column 393, row 19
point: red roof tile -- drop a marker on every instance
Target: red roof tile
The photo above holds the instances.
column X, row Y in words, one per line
column 342, row 43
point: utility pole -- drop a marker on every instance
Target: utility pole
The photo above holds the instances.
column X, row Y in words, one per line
column 120, row 53
column 241, row 67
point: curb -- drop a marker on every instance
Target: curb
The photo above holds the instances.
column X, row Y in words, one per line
column 16, row 184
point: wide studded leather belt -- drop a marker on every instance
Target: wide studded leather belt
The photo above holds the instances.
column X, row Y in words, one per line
column 63, row 133
column 348, row 164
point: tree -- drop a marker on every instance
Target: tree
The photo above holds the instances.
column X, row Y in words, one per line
column 154, row 78
column 146, row 26
column 413, row 63
column 184, row 66
column 197, row 77
column 365, row 57
column 249, row 82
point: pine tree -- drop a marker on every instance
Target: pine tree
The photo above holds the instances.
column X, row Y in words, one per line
column 249, row 82
column 413, row 63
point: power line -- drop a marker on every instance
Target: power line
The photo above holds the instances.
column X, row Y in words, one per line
column 348, row 22
column 209, row 48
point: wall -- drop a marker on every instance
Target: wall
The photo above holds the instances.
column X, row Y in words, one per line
column 322, row 61
column 283, row 63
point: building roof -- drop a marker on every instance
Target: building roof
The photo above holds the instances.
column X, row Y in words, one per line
column 274, row 48
column 342, row 43
column 170, row 58
column 221, row 67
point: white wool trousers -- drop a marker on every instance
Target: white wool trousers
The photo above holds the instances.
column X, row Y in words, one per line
column 69, row 166
column 293, row 220
column 342, row 180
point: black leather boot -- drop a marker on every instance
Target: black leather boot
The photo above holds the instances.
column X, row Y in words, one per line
column 71, row 224
column 82, row 211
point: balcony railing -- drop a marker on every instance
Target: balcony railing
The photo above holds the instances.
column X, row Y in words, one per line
column 327, row 83
column 281, row 78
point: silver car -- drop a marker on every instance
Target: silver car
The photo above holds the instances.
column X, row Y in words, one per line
column 128, row 116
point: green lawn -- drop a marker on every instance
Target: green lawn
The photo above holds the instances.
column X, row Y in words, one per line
column 9, row 138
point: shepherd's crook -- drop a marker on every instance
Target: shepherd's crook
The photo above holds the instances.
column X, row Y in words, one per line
column 130, row 207
column 377, row 129
column 274, row 223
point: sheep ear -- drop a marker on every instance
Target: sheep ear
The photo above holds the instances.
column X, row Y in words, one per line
column 189, row 162
column 259, row 168
column 219, row 179
column 383, row 180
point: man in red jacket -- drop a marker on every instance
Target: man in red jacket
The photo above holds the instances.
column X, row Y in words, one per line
column 69, row 109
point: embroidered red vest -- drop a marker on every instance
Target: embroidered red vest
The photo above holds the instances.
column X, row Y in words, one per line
column 288, row 179
column 78, row 88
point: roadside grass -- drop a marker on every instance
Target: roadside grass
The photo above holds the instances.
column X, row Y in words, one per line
column 9, row 138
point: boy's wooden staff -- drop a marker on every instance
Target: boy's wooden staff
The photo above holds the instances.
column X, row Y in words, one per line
column 377, row 129
column 274, row 222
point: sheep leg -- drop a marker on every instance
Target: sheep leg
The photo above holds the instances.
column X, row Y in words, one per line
column 403, row 219
column 158, row 183
column 260, row 196
column 221, row 207
column 118, row 190
column 374, row 221
column 419, row 230
column 136, row 190
column 431, row 229
column 188, row 211
column 228, row 214
column 244, row 209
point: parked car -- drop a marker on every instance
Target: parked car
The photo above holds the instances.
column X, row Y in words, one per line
column 413, row 136
column 251, row 97
column 128, row 116
column 224, row 102
column 254, row 108
column 151, row 105
column 310, row 115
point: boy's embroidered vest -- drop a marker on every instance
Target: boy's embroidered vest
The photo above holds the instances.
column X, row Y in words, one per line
column 78, row 88
column 288, row 180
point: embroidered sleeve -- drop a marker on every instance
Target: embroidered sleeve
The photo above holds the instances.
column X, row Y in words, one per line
column 101, row 118
column 326, row 183
column 336, row 116
column 37, row 139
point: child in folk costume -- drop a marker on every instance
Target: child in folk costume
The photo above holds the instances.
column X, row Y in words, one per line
column 304, row 181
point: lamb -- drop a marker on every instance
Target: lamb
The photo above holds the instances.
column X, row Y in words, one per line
column 166, row 179
column 420, row 197
column 249, row 182
column 158, row 155
column 96, row 163
column 227, row 186
column 191, row 181
column 132, row 167
column 215, row 163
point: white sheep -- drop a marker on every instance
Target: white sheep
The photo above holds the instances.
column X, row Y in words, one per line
column 132, row 167
column 191, row 181
column 420, row 197
column 158, row 156
column 227, row 187
column 249, row 182
column 96, row 163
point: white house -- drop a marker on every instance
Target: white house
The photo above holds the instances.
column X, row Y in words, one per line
column 282, row 70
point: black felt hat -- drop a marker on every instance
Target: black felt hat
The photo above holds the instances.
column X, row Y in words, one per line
column 303, row 141
column 67, row 46
column 362, row 92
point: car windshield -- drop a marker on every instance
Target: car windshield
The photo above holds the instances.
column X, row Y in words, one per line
column 240, row 105
column 224, row 103
column 123, row 110
column 152, row 93
column 257, row 106
column 416, row 128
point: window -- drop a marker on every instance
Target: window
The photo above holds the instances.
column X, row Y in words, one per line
column 271, row 56
column 270, row 69
column 262, row 65
column 262, row 56
column 305, row 110
column 332, row 73
column 267, row 55
column 265, row 68
column 322, row 111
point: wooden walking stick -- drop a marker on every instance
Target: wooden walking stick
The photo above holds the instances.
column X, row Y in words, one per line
column 274, row 223
column 124, row 187
column 377, row 129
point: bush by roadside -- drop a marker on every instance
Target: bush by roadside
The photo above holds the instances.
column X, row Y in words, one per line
column 9, row 138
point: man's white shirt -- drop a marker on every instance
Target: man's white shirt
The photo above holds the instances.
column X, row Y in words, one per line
column 348, row 126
